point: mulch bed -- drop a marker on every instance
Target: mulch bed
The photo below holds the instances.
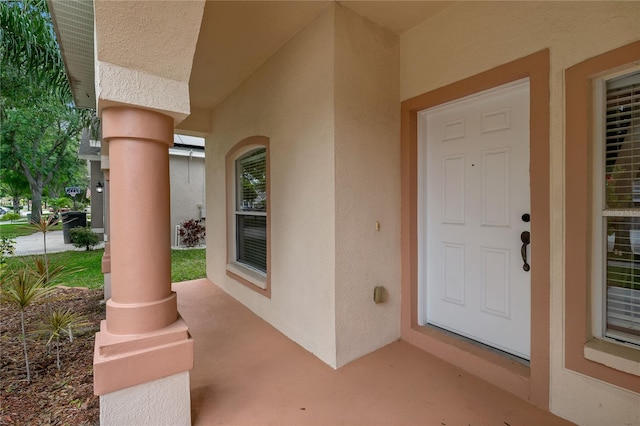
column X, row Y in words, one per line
column 54, row 397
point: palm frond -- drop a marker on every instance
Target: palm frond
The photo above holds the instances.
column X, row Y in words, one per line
column 27, row 40
column 21, row 289
column 59, row 323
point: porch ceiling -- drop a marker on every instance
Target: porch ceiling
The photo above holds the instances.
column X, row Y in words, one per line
column 236, row 37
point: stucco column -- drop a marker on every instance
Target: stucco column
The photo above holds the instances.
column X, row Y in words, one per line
column 143, row 338
column 141, row 297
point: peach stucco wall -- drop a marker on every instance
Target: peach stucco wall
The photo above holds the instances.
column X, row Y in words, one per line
column 367, row 168
column 289, row 99
column 333, row 124
column 469, row 38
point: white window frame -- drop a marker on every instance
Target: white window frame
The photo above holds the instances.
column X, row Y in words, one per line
column 599, row 215
column 245, row 272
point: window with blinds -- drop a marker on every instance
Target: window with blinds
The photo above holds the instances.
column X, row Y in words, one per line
column 621, row 213
column 251, row 210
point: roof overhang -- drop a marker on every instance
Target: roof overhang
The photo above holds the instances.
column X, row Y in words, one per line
column 73, row 22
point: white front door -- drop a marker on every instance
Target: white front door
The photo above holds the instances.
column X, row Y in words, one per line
column 473, row 193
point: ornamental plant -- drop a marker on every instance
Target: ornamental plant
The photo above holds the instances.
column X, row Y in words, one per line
column 192, row 232
column 20, row 289
column 83, row 237
column 57, row 324
column 44, row 225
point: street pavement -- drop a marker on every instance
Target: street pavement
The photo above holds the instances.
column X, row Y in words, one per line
column 34, row 244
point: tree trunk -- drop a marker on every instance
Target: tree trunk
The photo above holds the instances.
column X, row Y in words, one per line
column 36, row 203
column 16, row 204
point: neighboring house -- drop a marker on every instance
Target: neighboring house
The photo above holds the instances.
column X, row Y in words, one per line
column 89, row 150
column 451, row 152
column 187, row 175
column 186, row 163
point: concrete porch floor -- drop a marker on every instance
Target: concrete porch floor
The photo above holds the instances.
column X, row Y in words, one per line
column 248, row 373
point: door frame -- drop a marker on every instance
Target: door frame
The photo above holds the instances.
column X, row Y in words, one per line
column 530, row 382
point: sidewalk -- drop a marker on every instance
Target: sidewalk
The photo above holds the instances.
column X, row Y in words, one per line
column 34, row 244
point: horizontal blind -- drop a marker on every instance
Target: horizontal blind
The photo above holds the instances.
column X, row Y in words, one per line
column 251, row 210
column 252, row 241
column 622, row 204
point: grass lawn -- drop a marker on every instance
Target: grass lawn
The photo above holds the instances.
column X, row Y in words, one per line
column 12, row 230
column 185, row 265
column 188, row 265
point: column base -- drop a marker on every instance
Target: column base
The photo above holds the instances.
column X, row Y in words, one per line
column 122, row 361
column 141, row 318
column 163, row 401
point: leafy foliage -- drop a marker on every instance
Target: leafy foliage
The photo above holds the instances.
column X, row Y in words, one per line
column 58, row 203
column 13, row 183
column 7, row 248
column 192, row 232
column 11, row 217
column 41, row 127
column 83, row 237
column 28, row 41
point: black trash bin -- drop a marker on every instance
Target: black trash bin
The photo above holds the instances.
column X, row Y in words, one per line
column 72, row 220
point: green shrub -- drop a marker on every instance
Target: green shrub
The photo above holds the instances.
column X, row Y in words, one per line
column 10, row 216
column 83, row 237
column 7, row 248
column 62, row 202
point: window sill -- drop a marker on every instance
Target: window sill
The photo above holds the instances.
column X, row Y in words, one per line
column 248, row 275
column 622, row 358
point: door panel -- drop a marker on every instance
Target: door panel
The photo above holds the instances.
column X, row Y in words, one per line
column 473, row 192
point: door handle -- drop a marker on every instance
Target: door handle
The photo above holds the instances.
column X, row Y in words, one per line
column 525, row 237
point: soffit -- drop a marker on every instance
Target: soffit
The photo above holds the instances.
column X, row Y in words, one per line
column 73, row 21
column 234, row 39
